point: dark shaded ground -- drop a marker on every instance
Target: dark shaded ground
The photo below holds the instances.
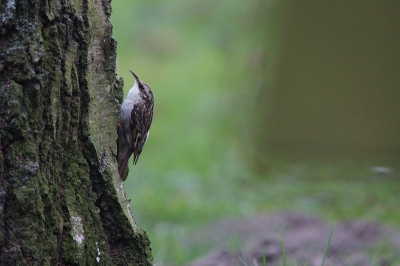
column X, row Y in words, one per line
column 356, row 243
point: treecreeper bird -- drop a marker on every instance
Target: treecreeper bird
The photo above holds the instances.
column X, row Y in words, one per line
column 134, row 124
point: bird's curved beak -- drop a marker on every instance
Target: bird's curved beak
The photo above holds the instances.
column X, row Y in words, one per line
column 136, row 77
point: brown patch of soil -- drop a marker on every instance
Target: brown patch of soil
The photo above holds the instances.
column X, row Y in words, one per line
column 357, row 243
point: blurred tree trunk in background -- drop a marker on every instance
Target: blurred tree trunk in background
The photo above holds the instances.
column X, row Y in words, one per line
column 336, row 80
column 61, row 200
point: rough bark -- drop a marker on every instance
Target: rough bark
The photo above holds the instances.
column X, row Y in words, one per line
column 61, row 199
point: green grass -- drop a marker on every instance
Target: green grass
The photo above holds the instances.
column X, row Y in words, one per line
column 328, row 245
column 284, row 253
column 198, row 164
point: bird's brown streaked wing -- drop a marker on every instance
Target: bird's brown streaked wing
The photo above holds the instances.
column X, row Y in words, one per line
column 141, row 120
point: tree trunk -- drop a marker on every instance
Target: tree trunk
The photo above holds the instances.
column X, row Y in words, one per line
column 61, row 199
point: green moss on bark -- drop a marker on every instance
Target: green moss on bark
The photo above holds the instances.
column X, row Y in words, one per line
column 61, row 199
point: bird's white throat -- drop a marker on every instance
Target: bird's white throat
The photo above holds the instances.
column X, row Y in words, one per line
column 134, row 94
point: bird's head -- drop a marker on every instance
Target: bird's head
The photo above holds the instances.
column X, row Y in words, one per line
column 142, row 89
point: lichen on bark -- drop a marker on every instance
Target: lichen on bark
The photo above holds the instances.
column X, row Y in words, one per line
column 61, row 199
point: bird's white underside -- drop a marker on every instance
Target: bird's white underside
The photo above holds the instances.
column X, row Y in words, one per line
column 132, row 98
column 134, row 94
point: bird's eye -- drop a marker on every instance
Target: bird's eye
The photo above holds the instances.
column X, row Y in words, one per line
column 141, row 87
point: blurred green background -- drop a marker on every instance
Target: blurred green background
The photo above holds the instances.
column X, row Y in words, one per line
column 262, row 106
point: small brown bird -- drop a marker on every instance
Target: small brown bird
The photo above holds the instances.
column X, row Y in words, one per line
column 134, row 124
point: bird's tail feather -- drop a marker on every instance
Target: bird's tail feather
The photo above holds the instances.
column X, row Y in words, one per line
column 123, row 168
column 124, row 153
